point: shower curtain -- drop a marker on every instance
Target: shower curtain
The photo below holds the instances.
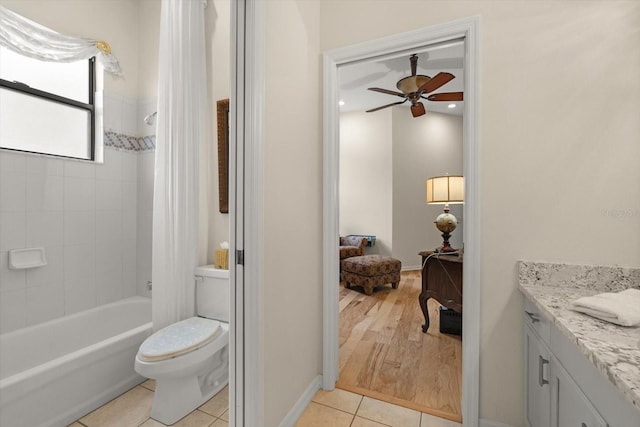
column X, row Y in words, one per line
column 180, row 138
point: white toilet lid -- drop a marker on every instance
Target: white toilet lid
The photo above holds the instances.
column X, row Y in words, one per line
column 180, row 338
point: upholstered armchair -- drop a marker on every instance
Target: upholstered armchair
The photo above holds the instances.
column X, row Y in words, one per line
column 351, row 246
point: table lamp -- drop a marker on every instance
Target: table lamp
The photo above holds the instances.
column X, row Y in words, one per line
column 444, row 190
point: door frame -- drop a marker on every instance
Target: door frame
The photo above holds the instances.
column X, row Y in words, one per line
column 467, row 29
column 246, row 130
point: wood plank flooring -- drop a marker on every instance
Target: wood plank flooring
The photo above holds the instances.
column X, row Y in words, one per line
column 384, row 354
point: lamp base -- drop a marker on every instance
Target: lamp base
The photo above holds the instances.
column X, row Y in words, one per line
column 446, row 247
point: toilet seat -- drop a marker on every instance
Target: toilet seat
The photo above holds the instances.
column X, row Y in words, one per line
column 179, row 338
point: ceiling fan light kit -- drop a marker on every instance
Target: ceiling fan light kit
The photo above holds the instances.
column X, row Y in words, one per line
column 415, row 86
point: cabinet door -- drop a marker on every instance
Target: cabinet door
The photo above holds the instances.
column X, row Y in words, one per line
column 571, row 408
column 537, row 378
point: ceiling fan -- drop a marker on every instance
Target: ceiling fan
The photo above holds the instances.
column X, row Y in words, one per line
column 414, row 87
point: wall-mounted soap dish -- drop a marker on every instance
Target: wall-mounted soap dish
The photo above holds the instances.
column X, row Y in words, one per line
column 26, row 258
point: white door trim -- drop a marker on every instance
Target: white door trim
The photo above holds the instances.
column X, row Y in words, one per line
column 469, row 30
column 246, row 391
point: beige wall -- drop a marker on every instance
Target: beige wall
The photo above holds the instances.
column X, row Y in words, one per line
column 115, row 21
column 366, row 177
column 292, row 183
column 559, row 101
column 430, row 145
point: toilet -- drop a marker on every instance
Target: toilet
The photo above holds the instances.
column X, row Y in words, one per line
column 189, row 360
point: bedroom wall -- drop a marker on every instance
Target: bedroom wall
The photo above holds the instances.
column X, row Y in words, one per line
column 423, row 147
column 366, row 177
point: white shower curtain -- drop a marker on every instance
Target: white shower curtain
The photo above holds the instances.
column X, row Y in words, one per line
column 180, row 136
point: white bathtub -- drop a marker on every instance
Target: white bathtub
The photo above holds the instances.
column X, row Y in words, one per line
column 53, row 373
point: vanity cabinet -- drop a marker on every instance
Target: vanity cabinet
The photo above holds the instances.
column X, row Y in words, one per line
column 570, row 407
column 563, row 389
column 537, row 357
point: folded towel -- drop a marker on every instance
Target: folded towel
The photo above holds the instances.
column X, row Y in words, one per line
column 621, row 308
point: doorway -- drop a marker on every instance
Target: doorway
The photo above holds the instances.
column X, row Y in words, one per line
column 404, row 44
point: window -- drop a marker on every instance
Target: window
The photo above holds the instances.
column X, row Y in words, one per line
column 48, row 107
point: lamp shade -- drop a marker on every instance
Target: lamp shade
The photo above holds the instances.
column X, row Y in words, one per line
column 445, row 189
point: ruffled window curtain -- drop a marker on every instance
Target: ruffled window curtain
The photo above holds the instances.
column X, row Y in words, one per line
column 36, row 41
column 180, row 142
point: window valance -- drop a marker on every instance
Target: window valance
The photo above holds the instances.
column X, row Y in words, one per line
column 31, row 39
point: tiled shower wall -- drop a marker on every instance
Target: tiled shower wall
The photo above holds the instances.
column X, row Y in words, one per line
column 94, row 221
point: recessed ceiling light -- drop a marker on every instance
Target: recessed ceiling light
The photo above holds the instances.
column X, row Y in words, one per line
column 451, row 105
column 341, row 103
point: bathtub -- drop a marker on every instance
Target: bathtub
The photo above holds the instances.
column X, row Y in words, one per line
column 54, row 373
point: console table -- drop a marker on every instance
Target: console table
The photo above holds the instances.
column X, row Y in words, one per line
column 441, row 280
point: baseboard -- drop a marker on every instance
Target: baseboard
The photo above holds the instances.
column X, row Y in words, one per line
column 411, row 268
column 302, row 403
column 489, row 423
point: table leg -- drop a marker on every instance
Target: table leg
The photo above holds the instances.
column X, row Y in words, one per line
column 423, row 305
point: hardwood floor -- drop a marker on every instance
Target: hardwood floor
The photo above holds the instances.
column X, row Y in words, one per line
column 384, row 354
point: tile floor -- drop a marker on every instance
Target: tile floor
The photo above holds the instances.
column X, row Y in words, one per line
column 337, row 408
column 340, row 408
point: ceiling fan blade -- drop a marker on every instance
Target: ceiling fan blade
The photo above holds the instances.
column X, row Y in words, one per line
column 385, row 106
column 436, row 81
column 417, row 109
column 445, row 96
column 387, row 91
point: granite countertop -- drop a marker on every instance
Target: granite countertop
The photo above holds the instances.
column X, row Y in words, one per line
column 611, row 348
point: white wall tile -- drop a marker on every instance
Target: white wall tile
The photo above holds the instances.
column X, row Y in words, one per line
column 51, row 274
column 13, row 313
column 79, row 169
column 130, row 117
column 45, row 303
column 129, row 196
column 44, row 192
column 109, row 287
column 108, row 195
column 79, row 228
column 145, row 224
column 108, row 227
column 44, row 229
column 130, row 166
column 129, row 224
column 12, row 231
column 112, row 166
column 79, row 194
column 129, row 268
column 45, row 165
column 10, row 279
column 79, row 278
column 12, row 161
column 12, row 191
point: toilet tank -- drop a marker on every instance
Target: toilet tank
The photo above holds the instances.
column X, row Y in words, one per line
column 212, row 293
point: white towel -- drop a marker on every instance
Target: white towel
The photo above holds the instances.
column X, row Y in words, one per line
column 621, row 308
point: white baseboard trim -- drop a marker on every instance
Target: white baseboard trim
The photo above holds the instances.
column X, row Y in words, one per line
column 412, row 268
column 489, row 423
column 302, row 403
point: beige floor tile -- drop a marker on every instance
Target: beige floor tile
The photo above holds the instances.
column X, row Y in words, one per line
column 339, row 399
column 317, row 415
column 218, row 404
column 149, row 384
column 128, row 410
column 220, row 423
column 225, row 416
column 76, row 424
column 431, row 421
column 195, row 419
column 363, row 422
column 386, row 413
